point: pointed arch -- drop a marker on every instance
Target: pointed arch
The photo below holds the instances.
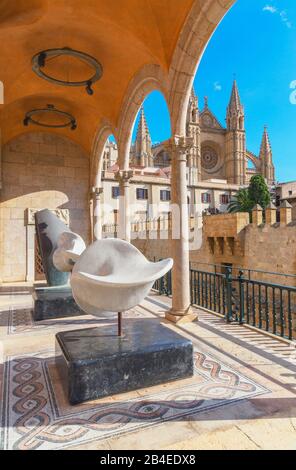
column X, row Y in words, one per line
column 197, row 30
column 149, row 78
column 98, row 147
column 144, row 147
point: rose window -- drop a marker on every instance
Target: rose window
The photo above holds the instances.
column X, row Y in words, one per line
column 209, row 158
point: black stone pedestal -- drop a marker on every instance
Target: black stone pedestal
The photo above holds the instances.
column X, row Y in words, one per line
column 54, row 302
column 95, row 363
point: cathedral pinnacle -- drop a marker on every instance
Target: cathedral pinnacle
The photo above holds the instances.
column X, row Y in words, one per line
column 265, row 149
column 235, row 102
column 143, row 144
column 235, row 110
column 266, row 158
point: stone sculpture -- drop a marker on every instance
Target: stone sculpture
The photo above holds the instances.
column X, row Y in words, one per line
column 59, row 248
column 70, row 246
column 113, row 276
column 48, row 228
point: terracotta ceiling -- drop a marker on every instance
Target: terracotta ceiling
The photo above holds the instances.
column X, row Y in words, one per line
column 123, row 35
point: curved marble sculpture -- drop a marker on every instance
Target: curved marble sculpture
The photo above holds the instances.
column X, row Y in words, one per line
column 70, row 246
column 112, row 275
column 48, row 228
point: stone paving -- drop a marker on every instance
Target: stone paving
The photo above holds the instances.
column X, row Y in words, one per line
column 242, row 395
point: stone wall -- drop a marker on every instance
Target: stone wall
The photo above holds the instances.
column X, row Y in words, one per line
column 231, row 239
column 269, row 248
column 39, row 170
column 153, row 249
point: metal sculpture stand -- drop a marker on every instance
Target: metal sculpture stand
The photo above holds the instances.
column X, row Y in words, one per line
column 119, row 325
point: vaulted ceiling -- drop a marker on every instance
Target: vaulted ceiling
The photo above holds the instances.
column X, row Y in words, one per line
column 123, row 35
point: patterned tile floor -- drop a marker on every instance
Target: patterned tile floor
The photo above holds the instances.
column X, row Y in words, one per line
column 242, row 394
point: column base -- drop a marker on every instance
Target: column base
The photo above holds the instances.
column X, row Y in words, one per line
column 179, row 317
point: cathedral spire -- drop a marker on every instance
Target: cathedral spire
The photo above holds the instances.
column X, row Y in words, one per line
column 192, row 94
column 265, row 149
column 235, row 102
column 235, row 139
column 142, row 130
column 143, row 152
column 235, row 110
column 265, row 156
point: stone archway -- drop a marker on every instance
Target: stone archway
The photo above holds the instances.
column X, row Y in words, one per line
column 196, row 32
column 98, row 146
column 150, row 78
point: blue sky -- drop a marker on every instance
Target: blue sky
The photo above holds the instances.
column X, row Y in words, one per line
column 256, row 41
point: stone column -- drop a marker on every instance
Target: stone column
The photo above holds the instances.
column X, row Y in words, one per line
column 97, row 211
column 257, row 218
column 124, row 223
column 30, row 248
column 285, row 213
column 155, row 200
column 0, row 159
column 181, row 312
column 1, row 215
column 91, row 216
column 270, row 214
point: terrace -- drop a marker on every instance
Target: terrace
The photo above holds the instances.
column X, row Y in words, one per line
column 242, row 395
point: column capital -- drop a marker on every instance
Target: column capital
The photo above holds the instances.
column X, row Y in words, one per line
column 124, row 176
column 179, row 146
column 96, row 192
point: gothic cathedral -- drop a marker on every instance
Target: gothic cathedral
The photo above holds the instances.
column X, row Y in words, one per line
column 218, row 153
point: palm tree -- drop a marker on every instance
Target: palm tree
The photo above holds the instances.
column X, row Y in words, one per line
column 240, row 202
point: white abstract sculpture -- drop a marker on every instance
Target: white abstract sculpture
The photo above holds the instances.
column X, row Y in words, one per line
column 112, row 276
column 70, row 247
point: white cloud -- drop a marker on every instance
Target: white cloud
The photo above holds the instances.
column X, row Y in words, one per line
column 282, row 14
column 270, row 8
column 217, row 86
column 285, row 19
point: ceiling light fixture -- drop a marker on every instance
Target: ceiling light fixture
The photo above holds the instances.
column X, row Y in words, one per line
column 40, row 60
column 69, row 120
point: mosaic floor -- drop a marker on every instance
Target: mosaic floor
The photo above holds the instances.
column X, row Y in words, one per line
column 35, row 413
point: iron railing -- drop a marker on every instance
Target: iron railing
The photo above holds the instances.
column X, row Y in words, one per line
column 164, row 285
column 263, row 305
column 250, row 273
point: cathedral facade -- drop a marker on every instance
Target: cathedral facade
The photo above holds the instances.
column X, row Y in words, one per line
column 218, row 152
column 218, row 165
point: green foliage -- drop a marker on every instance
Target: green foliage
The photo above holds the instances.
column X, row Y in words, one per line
column 240, row 202
column 258, row 191
column 246, row 198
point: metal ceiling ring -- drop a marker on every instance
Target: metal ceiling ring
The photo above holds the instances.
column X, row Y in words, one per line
column 39, row 63
column 70, row 120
